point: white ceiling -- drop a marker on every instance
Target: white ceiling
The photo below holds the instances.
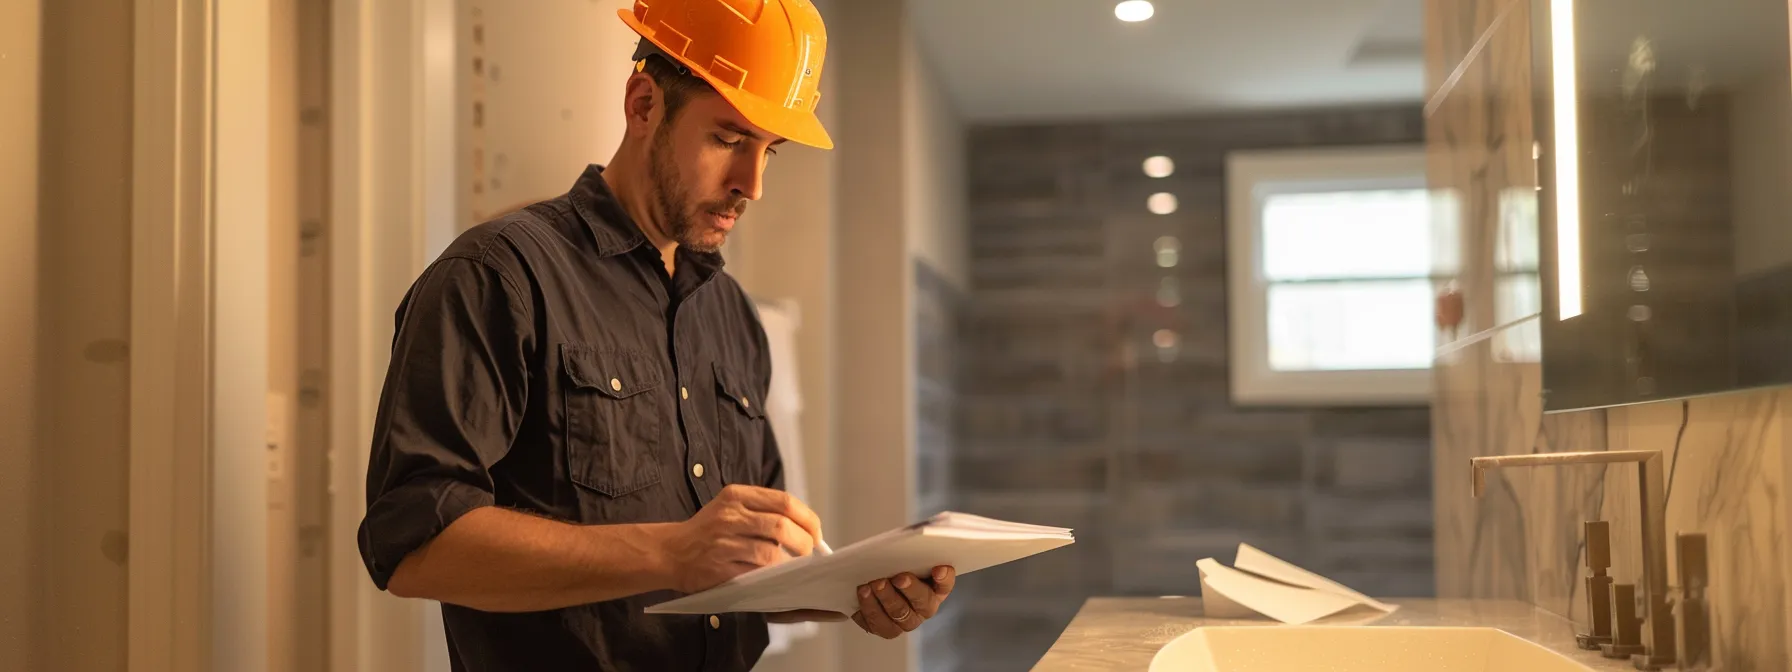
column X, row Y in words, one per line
column 1018, row 60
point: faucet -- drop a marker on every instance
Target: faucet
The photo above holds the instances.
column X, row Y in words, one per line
column 1660, row 651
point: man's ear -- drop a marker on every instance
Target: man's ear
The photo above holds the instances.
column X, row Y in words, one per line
column 641, row 99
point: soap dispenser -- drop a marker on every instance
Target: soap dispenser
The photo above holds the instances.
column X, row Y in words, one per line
column 1599, row 586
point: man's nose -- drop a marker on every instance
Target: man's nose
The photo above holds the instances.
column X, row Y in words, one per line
column 746, row 178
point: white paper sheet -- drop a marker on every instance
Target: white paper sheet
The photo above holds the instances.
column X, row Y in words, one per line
column 830, row 582
column 1272, row 587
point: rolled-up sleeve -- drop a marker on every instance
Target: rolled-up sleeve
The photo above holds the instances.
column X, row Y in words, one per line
column 452, row 401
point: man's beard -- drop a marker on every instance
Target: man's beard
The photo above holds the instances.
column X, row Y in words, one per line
column 680, row 215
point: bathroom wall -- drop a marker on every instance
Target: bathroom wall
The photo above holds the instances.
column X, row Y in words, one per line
column 295, row 586
column 1068, row 415
column 80, row 470
column 894, row 149
column 309, row 428
column 19, row 298
column 1725, row 454
column 542, row 82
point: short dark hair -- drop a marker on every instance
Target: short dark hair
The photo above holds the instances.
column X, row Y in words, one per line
column 676, row 83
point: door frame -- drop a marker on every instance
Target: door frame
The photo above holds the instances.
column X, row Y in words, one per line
column 393, row 129
column 167, row 610
column 197, row 597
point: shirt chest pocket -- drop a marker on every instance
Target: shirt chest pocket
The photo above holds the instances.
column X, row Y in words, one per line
column 615, row 419
column 740, row 427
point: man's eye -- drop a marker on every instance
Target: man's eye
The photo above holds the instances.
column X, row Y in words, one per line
column 726, row 143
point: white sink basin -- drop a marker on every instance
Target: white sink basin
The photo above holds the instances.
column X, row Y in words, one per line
column 1356, row 649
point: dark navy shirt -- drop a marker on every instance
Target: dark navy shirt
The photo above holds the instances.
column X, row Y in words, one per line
column 548, row 363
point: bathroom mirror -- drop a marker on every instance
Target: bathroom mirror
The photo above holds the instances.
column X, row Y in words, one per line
column 1664, row 209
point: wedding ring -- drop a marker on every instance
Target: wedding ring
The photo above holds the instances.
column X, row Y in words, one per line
column 904, row 618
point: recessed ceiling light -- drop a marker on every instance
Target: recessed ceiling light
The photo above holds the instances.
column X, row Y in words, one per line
column 1159, row 166
column 1161, row 203
column 1134, row 11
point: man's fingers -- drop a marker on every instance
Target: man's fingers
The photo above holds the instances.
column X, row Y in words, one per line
column 767, row 500
column 871, row 611
column 781, row 531
column 748, row 552
column 766, row 554
column 735, row 549
column 804, row 517
column 793, row 537
column 944, row 578
column 918, row 594
column 859, row 618
column 896, row 606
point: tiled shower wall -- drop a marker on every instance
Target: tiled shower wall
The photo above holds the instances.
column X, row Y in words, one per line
column 1068, row 414
column 1522, row 541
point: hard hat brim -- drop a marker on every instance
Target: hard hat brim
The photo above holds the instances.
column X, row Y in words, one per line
column 801, row 127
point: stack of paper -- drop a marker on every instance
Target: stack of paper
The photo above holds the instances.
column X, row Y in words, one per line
column 830, row 582
column 1260, row 583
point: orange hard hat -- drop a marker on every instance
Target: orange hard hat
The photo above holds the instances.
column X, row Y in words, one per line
column 763, row 56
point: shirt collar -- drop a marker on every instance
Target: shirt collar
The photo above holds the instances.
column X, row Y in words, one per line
column 614, row 231
column 610, row 225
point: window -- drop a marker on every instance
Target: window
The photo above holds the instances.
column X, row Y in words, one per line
column 1332, row 257
column 1518, row 286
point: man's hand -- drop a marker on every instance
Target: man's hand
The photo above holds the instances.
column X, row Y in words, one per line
column 890, row 607
column 742, row 529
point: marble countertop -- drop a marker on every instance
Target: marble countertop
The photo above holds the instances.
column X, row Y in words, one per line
column 1124, row 633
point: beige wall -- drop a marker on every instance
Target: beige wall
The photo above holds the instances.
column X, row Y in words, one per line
column 551, row 90
column 84, row 320
column 309, row 431
column 881, row 140
column 19, row 28
column 933, row 170
column 242, row 202
column 285, row 593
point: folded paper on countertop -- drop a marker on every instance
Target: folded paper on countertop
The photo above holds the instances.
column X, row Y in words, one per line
column 1261, row 584
column 829, row 582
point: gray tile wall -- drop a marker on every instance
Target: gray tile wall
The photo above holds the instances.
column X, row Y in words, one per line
column 1069, row 415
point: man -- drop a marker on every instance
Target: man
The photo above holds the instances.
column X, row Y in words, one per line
column 572, row 427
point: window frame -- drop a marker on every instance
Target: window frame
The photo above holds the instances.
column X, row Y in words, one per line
column 1253, row 176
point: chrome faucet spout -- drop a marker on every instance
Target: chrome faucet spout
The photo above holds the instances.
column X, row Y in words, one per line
column 1653, row 513
column 1480, row 465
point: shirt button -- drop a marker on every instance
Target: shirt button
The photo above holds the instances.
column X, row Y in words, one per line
column 697, row 470
column 744, row 403
column 615, row 385
column 715, row 623
column 684, row 393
